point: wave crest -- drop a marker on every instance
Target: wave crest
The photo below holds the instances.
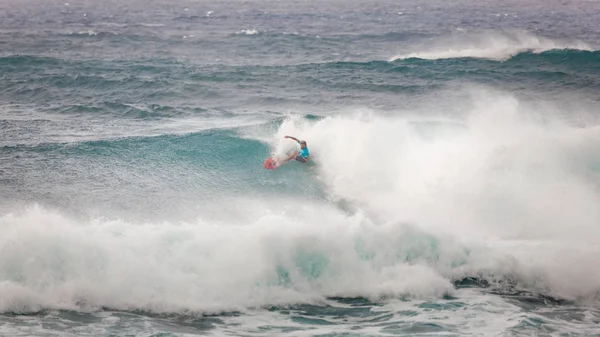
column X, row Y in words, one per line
column 492, row 46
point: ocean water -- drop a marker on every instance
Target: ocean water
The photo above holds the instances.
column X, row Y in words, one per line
column 454, row 191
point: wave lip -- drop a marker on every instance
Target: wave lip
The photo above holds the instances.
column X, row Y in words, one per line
column 492, row 46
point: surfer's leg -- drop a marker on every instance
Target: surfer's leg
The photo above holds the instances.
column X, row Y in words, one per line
column 292, row 156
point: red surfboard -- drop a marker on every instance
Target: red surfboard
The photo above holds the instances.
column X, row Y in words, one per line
column 271, row 163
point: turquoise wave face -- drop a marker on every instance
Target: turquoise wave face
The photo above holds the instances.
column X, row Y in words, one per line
column 112, row 174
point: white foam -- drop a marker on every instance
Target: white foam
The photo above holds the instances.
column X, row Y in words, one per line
column 297, row 254
column 87, row 32
column 489, row 45
column 511, row 177
column 248, row 32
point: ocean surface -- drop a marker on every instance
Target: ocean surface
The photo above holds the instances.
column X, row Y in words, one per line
column 454, row 188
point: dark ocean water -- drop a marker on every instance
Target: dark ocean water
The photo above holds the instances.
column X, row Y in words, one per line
column 454, row 187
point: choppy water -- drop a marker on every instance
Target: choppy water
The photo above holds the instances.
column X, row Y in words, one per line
column 454, row 191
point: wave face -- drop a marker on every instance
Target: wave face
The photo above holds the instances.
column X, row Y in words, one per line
column 453, row 189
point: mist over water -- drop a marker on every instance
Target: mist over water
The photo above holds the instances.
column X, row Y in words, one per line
column 454, row 184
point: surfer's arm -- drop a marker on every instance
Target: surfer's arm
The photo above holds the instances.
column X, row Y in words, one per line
column 294, row 138
column 307, row 160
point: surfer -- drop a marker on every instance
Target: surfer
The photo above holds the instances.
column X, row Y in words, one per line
column 302, row 155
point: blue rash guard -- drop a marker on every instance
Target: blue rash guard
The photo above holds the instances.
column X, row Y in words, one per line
column 304, row 152
column 303, row 155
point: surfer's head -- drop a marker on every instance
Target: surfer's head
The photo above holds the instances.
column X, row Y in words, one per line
column 302, row 144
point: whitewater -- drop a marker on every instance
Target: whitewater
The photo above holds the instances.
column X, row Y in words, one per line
column 454, row 188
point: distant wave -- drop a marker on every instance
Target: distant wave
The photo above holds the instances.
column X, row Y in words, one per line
column 493, row 46
column 482, row 54
column 561, row 55
column 152, row 24
column 93, row 33
column 564, row 54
